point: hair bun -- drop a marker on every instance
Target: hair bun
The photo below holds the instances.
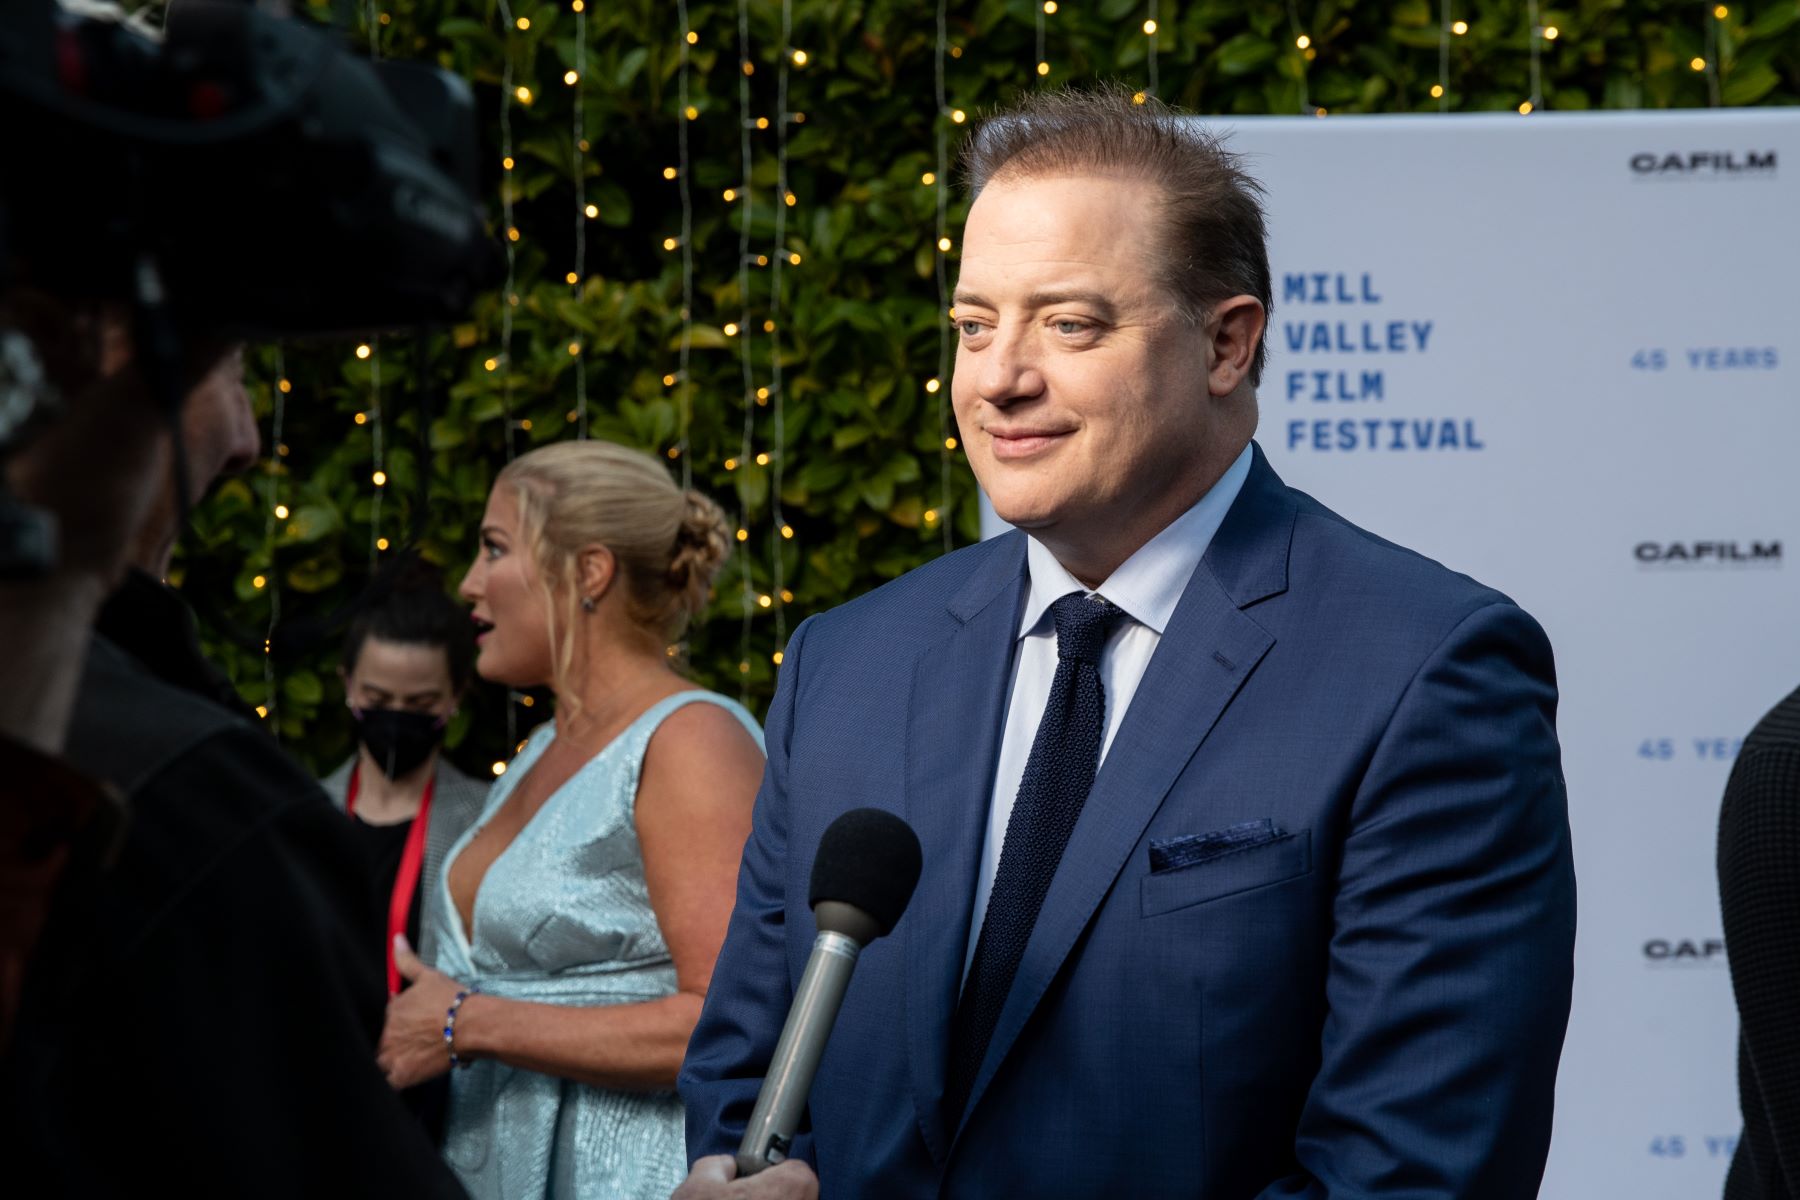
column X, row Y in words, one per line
column 702, row 544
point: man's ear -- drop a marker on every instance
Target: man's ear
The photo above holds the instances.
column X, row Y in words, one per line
column 595, row 568
column 1234, row 330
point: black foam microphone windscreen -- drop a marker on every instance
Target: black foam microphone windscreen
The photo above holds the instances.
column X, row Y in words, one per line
column 868, row 859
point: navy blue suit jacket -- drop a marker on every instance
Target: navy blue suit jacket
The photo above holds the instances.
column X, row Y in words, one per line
column 1366, row 999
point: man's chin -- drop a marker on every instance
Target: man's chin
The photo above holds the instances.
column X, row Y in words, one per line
column 1025, row 515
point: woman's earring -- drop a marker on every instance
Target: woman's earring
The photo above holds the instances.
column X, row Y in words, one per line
column 587, row 604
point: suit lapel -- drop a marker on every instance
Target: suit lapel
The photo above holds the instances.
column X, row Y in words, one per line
column 959, row 694
column 1208, row 650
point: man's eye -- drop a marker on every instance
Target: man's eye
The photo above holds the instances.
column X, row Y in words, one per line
column 969, row 328
column 1070, row 328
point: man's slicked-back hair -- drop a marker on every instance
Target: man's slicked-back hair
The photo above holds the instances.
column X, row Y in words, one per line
column 1216, row 241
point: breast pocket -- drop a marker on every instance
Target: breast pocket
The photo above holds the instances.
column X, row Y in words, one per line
column 1286, row 857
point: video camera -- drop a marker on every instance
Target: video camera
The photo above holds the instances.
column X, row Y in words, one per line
column 243, row 177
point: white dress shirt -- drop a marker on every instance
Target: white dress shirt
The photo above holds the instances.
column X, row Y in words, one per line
column 1147, row 586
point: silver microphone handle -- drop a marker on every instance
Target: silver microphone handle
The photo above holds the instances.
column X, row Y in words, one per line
column 782, row 1101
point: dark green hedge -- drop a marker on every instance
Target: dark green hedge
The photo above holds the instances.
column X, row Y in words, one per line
column 868, row 487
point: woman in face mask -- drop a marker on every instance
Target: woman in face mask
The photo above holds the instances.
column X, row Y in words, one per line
column 407, row 661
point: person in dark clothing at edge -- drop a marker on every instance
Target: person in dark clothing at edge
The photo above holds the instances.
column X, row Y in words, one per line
column 209, row 1011
column 1759, row 895
column 193, row 1008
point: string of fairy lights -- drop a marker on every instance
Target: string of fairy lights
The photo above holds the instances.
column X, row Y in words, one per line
column 1150, row 28
column 1304, row 48
column 779, row 257
column 1536, row 41
column 371, row 351
column 679, row 380
column 743, row 331
column 277, row 511
column 938, row 517
column 1710, row 62
column 575, row 79
column 940, row 181
column 1043, row 10
column 502, row 362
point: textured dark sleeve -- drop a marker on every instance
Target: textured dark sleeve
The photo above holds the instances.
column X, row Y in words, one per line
column 1451, row 962
column 751, row 989
column 213, row 1027
column 1759, row 893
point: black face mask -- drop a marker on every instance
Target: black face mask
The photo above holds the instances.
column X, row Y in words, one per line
column 398, row 740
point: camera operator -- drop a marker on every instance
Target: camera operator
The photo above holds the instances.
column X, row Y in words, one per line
column 93, row 473
column 195, row 1004
column 206, row 1007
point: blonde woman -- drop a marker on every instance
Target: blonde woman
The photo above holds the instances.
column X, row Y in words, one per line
column 587, row 904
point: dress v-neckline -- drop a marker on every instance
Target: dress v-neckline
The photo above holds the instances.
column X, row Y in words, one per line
column 465, row 930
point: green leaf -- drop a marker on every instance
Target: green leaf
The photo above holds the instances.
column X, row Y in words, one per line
column 446, row 434
column 630, row 65
column 1749, row 86
column 703, row 337
column 311, row 522
column 463, row 27
column 315, row 575
column 1245, row 53
column 1776, row 18
column 303, row 687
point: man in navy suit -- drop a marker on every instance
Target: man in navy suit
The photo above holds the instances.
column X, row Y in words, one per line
column 1247, row 866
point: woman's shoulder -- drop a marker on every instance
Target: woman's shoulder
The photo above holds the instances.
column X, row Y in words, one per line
column 707, row 750
column 699, row 715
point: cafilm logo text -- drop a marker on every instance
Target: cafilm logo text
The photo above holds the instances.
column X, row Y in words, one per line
column 1754, row 554
column 1685, row 952
column 1703, row 164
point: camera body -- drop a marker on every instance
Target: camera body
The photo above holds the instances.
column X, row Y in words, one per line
column 241, row 177
column 285, row 186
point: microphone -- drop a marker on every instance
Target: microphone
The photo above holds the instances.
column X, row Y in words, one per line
column 864, row 874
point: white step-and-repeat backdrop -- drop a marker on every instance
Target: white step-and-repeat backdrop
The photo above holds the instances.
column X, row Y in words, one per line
column 1561, row 353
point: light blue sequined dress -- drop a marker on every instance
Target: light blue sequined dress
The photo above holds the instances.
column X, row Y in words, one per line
column 563, row 917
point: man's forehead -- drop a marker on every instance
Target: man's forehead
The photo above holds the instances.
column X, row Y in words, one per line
column 1072, row 234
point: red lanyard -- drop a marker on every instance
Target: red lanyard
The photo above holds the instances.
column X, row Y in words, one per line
column 406, row 882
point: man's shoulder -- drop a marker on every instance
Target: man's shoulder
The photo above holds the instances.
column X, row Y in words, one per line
column 152, row 739
column 1349, row 566
column 916, row 608
column 128, row 724
column 218, row 816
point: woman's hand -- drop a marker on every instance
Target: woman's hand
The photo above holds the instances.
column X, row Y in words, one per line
column 412, row 1046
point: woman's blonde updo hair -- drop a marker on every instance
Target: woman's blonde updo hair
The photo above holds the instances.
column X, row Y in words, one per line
column 668, row 544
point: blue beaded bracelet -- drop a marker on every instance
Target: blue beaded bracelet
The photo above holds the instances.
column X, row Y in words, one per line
column 450, row 1024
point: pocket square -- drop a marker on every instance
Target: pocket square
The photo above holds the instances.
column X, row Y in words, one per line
column 1167, row 854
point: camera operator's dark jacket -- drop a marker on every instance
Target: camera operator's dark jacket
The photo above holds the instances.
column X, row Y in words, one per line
column 204, row 1013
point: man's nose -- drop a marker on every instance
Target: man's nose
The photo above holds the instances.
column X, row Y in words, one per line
column 1010, row 370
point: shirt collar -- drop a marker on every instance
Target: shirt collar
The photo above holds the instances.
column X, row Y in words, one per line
column 1149, row 584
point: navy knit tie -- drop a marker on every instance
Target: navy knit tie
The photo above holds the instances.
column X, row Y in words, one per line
column 1058, row 775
